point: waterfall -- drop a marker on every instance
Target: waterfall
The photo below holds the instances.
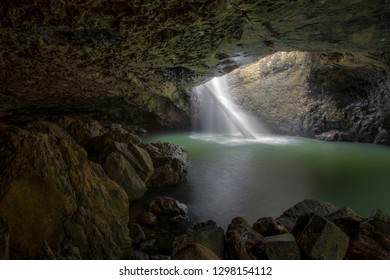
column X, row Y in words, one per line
column 215, row 112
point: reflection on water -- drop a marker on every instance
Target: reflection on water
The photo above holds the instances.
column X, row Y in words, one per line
column 231, row 177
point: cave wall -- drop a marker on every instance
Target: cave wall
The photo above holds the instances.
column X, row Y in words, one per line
column 324, row 96
column 135, row 60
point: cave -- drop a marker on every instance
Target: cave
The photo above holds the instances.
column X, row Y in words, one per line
column 171, row 129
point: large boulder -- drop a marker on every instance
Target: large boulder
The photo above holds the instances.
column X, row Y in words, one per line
column 268, row 226
column 305, row 207
column 281, row 247
column 170, row 208
column 208, row 234
column 373, row 238
column 170, row 163
column 319, row 238
column 123, row 160
column 241, row 240
column 50, row 192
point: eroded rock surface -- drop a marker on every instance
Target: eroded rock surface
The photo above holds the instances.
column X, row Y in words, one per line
column 51, row 193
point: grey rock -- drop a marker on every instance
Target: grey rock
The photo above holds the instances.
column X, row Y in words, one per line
column 281, row 247
column 167, row 206
column 268, row 226
column 136, row 233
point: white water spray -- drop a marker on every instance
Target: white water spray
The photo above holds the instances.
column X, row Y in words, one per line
column 219, row 115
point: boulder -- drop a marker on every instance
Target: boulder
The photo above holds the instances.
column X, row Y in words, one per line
column 123, row 160
column 81, row 130
column 147, row 219
column 305, row 207
column 373, row 240
column 147, row 246
column 137, row 235
column 139, row 255
column 281, row 247
column 46, row 179
column 208, row 234
column 321, row 239
column 170, row 163
column 4, row 240
column 167, row 206
column 347, row 220
column 268, row 226
column 241, row 240
column 195, row 252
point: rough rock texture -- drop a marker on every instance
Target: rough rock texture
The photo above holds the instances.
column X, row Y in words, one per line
column 303, row 208
column 336, row 97
column 170, row 164
column 169, row 207
column 281, row 247
column 123, row 160
column 207, row 234
column 4, row 240
column 241, row 240
column 135, row 59
column 321, row 239
column 51, row 193
column 268, row 226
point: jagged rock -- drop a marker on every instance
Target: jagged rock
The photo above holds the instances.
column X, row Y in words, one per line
column 179, row 220
column 321, row 239
column 269, row 226
column 305, row 207
column 170, row 164
column 241, row 240
column 137, row 235
column 47, row 252
column 373, row 240
column 46, row 177
column 147, row 219
column 4, row 240
column 207, row 234
column 81, row 130
column 347, row 220
column 195, row 251
column 281, row 247
column 69, row 252
column 167, row 206
column 123, row 161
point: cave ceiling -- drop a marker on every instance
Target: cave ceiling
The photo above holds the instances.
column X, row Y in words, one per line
column 136, row 59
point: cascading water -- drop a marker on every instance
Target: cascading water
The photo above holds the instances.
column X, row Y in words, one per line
column 215, row 113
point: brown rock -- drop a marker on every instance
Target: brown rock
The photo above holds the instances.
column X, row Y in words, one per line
column 137, row 235
column 241, row 240
column 147, row 219
column 305, row 207
column 167, row 206
column 321, row 239
column 281, row 247
column 147, row 246
column 207, row 234
column 269, row 226
column 4, row 240
column 46, row 177
column 170, row 164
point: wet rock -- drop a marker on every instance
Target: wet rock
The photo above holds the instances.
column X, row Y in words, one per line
column 137, row 235
column 167, row 206
column 373, row 240
column 207, row 234
column 241, row 240
column 147, row 219
column 170, row 164
column 281, row 247
column 307, row 206
column 179, row 220
column 347, row 220
column 4, row 240
column 321, row 239
column 46, row 177
column 268, row 226
column 195, row 251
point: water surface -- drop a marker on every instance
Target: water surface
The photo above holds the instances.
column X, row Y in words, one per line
column 230, row 177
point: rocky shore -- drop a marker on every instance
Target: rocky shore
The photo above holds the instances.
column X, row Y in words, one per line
column 67, row 186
